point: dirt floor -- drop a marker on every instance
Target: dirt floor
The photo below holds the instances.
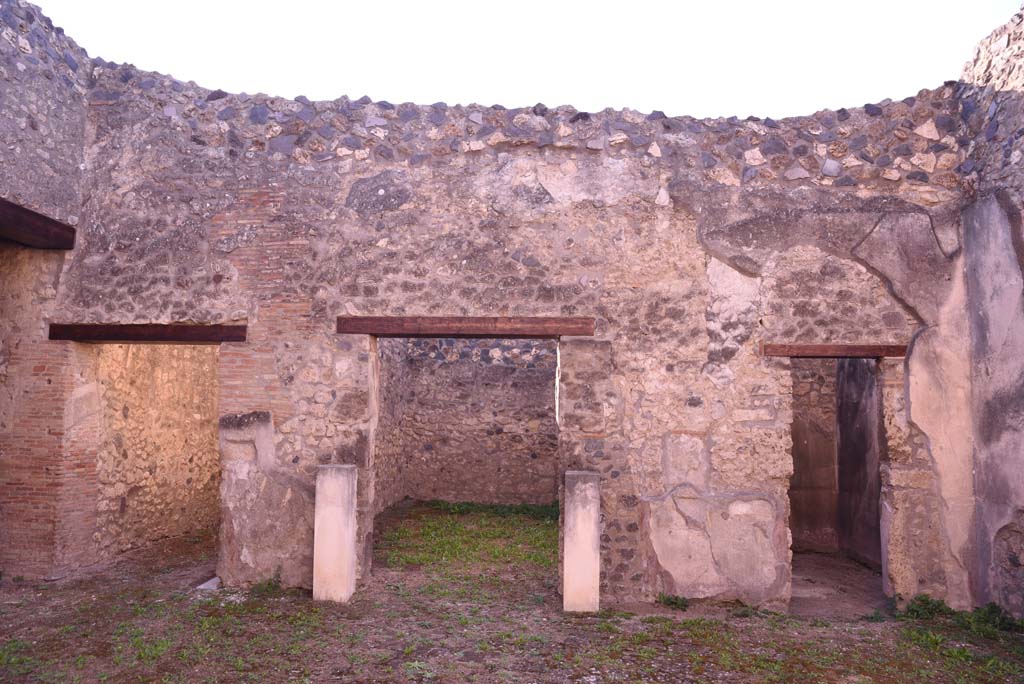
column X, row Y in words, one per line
column 831, row 586
column 464, row 594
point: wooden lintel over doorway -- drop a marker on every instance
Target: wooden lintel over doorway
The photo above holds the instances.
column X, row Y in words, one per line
column 527, row 327
column 152, row 333
column 838, row 351
column 32, row 229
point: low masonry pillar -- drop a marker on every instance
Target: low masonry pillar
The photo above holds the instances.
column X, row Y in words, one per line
column 334, row 533
column 581, row 576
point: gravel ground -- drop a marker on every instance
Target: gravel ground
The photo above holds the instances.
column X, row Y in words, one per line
column 460, row 594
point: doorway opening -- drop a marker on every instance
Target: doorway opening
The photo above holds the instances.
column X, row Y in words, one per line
column 144, row 426
column 835, row 490
column 466, row 466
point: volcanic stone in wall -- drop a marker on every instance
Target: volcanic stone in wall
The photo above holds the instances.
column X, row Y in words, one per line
column 44, row 78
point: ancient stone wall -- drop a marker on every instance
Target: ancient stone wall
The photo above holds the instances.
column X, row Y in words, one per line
column 813, row 489
column 528, row 213
column 101, row 447
column 468, row 420
column 992, row 107
column 44, row 78
column 913, row 536
column 293, row 396
column 688, row 240
column 390, row 445
column 994, row 255
column 138, row 460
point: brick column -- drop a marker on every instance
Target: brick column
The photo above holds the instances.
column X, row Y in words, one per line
column 48, row 489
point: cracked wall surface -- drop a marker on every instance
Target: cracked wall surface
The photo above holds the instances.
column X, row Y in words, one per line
column 689, row 241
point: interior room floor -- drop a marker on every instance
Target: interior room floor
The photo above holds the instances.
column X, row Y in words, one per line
column 833, row 586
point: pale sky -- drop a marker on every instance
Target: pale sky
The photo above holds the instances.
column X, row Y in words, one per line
column 762, row 57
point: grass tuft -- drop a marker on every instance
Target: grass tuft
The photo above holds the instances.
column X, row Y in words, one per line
column 924, row 607
column 673, row 601
column 267, row 588
column 988, row 621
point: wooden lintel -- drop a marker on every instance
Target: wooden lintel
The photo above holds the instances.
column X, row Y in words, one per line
column 536, row 327
column 854, row 351
column 32, row 229
column 154, row 333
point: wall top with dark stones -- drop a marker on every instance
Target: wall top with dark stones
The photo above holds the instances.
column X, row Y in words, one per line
column 991, row 107
column 906, row 147
column 187, row 194
column 44, row 80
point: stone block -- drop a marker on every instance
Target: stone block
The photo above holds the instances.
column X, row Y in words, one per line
column 266, row 507
column 334, row 533
column 582, row 560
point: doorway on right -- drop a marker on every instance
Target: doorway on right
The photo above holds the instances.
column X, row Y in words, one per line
column 835, row 490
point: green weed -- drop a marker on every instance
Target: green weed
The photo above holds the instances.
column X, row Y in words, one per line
column 267, row 588
column 673, row 601
column 924, row 607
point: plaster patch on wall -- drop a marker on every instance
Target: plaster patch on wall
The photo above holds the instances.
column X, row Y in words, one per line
column 683, row 548
column 731, row 316
column 940, row 406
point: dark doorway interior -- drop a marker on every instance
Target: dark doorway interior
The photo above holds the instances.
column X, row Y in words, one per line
column 858, row 447
column 835, row 488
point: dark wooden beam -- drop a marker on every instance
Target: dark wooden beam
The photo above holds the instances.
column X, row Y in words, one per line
column 32, row 229
column 855, row 351
column 148, row 332
column 536, row 327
